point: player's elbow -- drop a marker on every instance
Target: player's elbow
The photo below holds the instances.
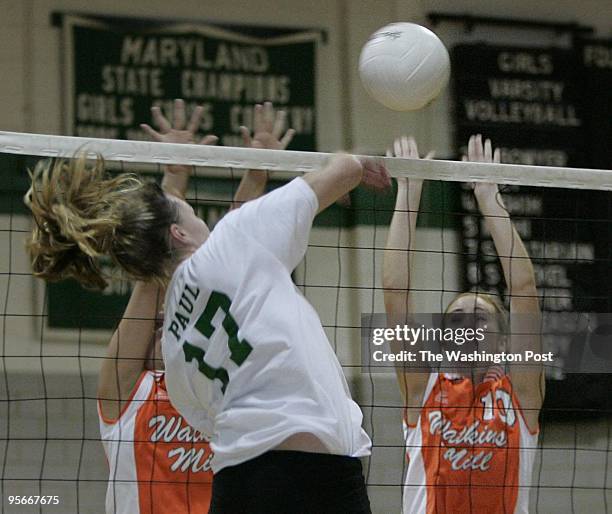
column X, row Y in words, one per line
column 395, row 277
column 342, row 174
column 389, row 281
column 348, row 168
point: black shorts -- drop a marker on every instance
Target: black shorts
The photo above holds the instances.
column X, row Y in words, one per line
column 289, row 482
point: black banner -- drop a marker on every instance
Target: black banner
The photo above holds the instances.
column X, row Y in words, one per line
column 533, row 104
column 528, row 101
column 544, row 107
column 596, row 64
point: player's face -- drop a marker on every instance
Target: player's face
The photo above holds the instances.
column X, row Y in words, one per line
column 190, row 231
column 473, row 311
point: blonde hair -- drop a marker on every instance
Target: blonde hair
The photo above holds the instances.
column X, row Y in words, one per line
column 82, row 214
column 494, row 301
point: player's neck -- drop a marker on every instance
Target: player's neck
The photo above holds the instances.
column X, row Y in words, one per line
column 180, row 256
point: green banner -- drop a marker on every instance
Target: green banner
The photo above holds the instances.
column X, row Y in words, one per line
column 116, row 71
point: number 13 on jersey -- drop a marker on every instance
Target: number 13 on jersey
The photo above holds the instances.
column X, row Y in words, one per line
column 239, row 349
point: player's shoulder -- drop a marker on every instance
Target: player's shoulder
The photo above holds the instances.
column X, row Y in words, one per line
column 205, row 263
column 138, row 398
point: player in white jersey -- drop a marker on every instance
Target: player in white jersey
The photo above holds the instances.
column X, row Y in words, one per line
column 158, row 463
column 247, row 359
column 471, row 434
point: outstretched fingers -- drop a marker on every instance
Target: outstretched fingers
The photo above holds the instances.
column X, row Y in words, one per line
column 178, row 114
column 160, row 120
column 194, row 121
column 153, row 134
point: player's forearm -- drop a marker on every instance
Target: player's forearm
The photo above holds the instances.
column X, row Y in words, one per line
column 515, row 261
column 138, row 322
column 130, row 344
column 401, row 237
column 341, row 175
column 252, row 185
column 176, row 180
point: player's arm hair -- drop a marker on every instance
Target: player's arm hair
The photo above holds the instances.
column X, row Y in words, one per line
column 342, row 174
column 129, row 349
column 82, row 214
column 397, row 269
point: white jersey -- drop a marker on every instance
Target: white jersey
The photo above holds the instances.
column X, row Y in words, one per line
column 246, row 356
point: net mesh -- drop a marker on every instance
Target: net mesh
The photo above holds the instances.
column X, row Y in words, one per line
column 54, row 336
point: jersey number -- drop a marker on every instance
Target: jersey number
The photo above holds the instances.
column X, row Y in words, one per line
column 239, row 349
column 503, row 402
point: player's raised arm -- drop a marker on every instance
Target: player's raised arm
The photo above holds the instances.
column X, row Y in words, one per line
column 343, row 174
column 525, row 315
column 129, row 348
column 268, row 133
column 281, row 220
column 397, row 265
column 176, row 177
column 132, row 342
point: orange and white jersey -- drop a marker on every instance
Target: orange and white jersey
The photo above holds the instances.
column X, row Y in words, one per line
column 470, row 450
column 158, row 464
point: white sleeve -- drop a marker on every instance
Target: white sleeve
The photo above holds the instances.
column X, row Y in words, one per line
column 280, row 220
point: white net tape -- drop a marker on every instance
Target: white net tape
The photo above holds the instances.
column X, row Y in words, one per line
column 298, row 162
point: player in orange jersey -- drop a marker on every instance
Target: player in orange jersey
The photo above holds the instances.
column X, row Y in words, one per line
column 470, row 432
column 158, row 463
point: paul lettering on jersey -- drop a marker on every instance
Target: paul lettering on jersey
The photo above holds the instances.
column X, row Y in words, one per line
column 181, row 317
column 473, row 435
column 171, row 430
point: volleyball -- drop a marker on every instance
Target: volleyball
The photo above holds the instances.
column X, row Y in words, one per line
column 404, row 66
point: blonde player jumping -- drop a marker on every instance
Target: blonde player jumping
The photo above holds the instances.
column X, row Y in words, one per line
column 158, row 463
column 247, row 359
column 470, row 433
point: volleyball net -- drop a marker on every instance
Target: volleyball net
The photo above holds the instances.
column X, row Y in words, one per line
column 54, row 336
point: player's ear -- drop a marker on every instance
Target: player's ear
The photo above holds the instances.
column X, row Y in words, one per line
column 178, row 235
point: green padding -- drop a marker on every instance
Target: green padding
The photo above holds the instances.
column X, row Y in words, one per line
column 71, row 306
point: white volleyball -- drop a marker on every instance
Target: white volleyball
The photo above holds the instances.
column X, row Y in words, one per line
column 404, row 66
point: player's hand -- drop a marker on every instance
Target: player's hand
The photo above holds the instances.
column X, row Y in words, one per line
column 479, row 151
column 375, row 175
column 176, row 177
column 179, row 131
column 268, row 129
column 406, row 147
